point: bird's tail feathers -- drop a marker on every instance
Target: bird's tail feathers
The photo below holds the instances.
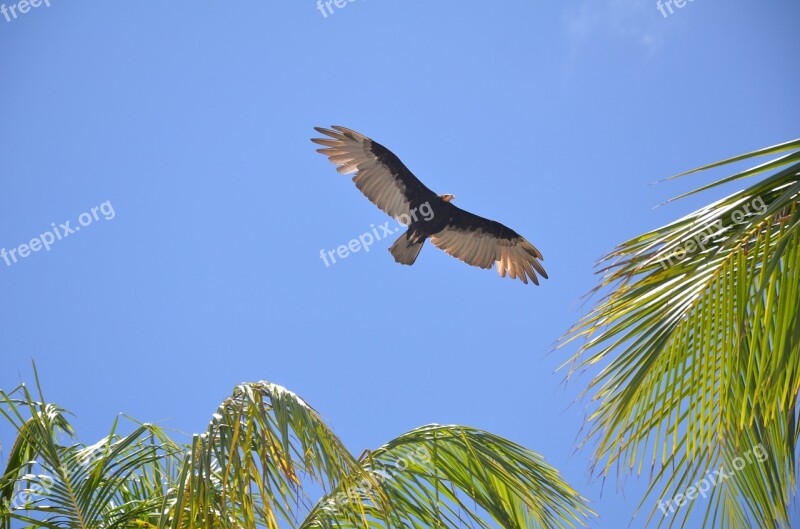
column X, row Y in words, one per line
column 406, row 248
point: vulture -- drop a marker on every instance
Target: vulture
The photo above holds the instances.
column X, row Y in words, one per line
column 391, row 186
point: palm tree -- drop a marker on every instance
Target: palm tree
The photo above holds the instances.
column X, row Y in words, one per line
column 703, row 315
column 264, row 453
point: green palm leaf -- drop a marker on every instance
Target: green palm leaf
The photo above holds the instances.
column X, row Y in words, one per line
column 51, row 484
column 248, row 468
column 453, row 476
column 263, row 453
column 703, row 317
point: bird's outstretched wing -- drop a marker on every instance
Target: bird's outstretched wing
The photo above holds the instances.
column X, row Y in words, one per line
column 482, row 242
column 380, row 175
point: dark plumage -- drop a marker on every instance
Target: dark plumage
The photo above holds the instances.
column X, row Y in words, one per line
column 383, row 178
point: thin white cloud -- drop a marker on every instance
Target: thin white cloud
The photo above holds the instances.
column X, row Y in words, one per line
column 633, row 20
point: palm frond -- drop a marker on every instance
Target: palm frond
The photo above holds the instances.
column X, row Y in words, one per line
column 52, row 484
column 263, row 450
column 246, row 470
column 703, row 315
column 449, row 477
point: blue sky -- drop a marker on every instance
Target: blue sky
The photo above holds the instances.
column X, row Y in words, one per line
column 192, row 121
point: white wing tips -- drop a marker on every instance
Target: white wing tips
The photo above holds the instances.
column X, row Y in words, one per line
column 522, row 270
column 521, row 261
column 345, row 148
column 339, row 133
column 351, row 153
column 350, row 132
column 515, row 258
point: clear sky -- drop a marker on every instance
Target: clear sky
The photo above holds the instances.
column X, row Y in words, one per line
column 190, row 121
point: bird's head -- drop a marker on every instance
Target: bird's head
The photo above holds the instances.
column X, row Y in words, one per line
column 447, row 198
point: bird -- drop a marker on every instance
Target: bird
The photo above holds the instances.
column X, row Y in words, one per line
column 389, row 184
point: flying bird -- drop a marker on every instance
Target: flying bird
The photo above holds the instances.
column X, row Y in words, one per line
column 391, row 186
